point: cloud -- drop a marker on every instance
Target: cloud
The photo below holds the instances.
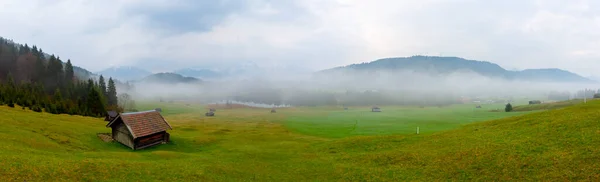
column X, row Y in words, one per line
column 163, row 35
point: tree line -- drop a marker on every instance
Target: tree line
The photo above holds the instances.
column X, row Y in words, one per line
column 32, row 79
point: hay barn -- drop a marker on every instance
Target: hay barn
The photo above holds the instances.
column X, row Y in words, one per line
column 535, row 102
column 375, row 109
column 139, row 130
column 210, row 113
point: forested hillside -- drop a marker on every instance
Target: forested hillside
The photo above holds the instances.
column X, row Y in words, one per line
column 31, row 79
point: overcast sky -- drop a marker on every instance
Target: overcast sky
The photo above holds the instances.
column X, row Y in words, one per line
column 163, row 35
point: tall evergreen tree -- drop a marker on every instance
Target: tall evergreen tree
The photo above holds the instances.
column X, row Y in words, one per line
column 94, row 103
column 9, row 89
column 102, row 85
column 112, row 93
column 69, row 74
column 58, row 102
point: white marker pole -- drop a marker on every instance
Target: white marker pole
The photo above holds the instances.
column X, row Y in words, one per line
column 417, row 130
column 585, row 96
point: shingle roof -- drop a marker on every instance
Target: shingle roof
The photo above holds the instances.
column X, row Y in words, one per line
column 144, row 123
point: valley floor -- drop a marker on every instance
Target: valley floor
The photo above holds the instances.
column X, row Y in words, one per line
column 311, row 144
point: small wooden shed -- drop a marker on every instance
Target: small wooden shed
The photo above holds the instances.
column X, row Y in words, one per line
column 139, row 130
column 534, row 102
column 210, row 113
column 375, row 109
column 110, row 115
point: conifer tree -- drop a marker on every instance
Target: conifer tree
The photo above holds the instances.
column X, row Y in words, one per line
column 508, row 108
column 94, row 103
column 112, row 93
column 102, row 85
column 69, row 74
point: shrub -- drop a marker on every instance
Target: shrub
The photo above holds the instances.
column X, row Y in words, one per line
column 36, row 108
column 508, row 108
column 11, row 104
column 596, row 96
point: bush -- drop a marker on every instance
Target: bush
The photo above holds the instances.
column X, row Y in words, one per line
column 11, row 104
column 596, row 96
column 36, row 108
column 508, row 108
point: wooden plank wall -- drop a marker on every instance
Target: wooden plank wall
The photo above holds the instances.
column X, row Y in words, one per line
column 122, row 135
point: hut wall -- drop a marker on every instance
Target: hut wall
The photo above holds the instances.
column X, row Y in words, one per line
column 122, row 135
column 150, row 140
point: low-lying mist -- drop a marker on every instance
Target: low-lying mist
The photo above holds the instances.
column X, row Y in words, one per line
column 354, row 88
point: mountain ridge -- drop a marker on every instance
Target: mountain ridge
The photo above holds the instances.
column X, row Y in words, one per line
column 445, row 65
column 169, row 78
column 125, row 73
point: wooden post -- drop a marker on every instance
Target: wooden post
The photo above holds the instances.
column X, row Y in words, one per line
column 585, row 96
column 417, row 130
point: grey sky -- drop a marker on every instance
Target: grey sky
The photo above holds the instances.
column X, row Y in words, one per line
column 163, row 35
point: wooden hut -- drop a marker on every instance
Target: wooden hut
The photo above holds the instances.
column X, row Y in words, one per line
column 139, row 130
column 213, row 110
column 210, row 113
column 110, row 115
column 375, row 109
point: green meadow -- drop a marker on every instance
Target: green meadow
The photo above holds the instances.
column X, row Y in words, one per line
column 456, row 143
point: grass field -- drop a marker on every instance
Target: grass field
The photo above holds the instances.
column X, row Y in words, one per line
column 549, row 106
column 311, row 144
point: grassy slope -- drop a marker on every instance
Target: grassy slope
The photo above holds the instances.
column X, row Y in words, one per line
column 246, row 144
column 548, row 106
column 553, row 145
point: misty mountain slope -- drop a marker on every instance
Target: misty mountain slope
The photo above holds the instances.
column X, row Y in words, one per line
column 199, row 73
column 169, row 78
column 550, row 74
column 82, row 73
column 125, row 73
column 447, row 65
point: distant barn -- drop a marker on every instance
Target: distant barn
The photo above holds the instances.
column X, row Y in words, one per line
column 139, row 130
column 110, row 115
column 375, row 109
column 213, row 110
column 210, row 113
column 535, row 102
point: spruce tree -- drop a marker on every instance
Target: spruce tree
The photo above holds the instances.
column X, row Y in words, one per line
column 94, row 103
column 112, row 93
column 69, row 74
column 58, row 102
column 102, row 85
column 508, row 108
